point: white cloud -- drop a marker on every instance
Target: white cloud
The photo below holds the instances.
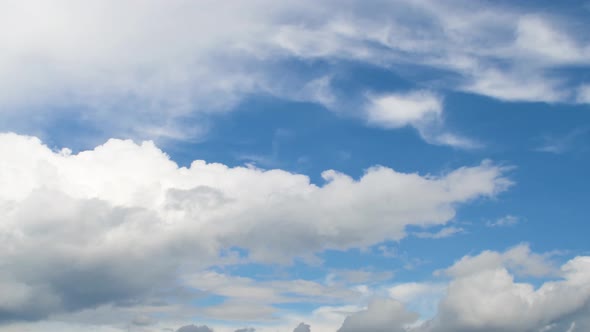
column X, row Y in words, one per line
column 143, row 320
column 240, row 311
column 419, row 297
column 508, row 220
column 140, row 69
column 248, row 299
column 584, row 94
column 485, row 297
column 72, row 220
column 422, row 110
column 518, row 259
column 54, row 327
column 517, row 85
column 490, row 300
column 482, row 295
column 381, row 315
column 442, row 233
column 400, row 110
column 538, row 36
column 408, row 292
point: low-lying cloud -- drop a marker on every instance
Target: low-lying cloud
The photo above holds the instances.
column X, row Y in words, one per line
column 113, row 224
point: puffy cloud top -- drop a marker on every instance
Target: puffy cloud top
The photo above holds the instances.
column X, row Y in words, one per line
column 382, row 315
column 302, row 327
column 72, row 220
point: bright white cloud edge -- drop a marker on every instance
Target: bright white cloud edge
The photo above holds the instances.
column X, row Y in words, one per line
column 111, row 61
column 125, row 207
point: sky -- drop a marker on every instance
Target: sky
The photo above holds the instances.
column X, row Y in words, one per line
column 278, row 166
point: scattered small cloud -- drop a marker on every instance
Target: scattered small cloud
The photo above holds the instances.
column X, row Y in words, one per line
column 583, row 94
column 443, row 233
column 508, row 220
column 421, row 109
column 396, row 110
column 520, row 260
column 320, row 91
column 559, row 144
column 388, row 251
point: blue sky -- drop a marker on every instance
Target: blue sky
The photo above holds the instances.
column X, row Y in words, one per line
column 391, row 165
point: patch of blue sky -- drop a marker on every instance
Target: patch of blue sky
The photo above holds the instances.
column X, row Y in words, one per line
column 306, row 138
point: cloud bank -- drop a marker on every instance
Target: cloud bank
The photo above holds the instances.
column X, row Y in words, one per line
column 72, row 221
column 484, row 296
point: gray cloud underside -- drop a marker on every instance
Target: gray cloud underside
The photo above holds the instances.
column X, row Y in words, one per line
column 483, row 296
column 113, row 224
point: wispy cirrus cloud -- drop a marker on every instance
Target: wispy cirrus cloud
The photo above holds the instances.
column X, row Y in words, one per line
column 563, row 143
column 506, row 221
column 111, row 63
column 442, row 233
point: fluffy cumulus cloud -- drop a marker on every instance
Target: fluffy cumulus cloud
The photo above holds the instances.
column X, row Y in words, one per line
column 302, row 327
column 156, row 62
column 126, row 214
column 483, row 295
column 519, row 259
column 419, row 297
column 395, row 110
column 505, row 221
column 380, row 316
column 442, row 233
column 489, row 299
